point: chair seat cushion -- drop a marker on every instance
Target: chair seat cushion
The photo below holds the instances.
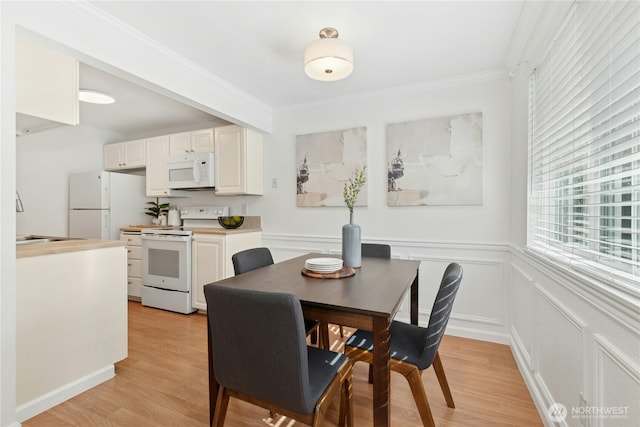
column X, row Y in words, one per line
column 407, row 342
column 323, row 366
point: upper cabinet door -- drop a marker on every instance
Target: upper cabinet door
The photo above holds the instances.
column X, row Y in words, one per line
column 46, row 83
column 199, row 141
column 179, row 144
column 202, row 141
column 238, row 161
column 134, row 153
column 124, row 155
column 113, row 155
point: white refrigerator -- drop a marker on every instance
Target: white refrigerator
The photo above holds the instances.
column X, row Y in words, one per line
column 102, row 202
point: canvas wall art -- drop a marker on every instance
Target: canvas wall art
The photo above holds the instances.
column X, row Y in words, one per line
column 435, row 161
column 325, row 161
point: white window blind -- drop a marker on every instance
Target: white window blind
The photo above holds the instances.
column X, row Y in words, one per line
column 584, row 144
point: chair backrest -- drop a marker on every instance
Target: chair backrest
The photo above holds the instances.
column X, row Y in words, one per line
column 259, row 345
column 251, row 259
column 376, row 250
column 440, row 312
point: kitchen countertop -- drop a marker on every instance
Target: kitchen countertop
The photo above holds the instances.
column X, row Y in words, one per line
column 218, row 231
column 50, row 248
column 252, row 224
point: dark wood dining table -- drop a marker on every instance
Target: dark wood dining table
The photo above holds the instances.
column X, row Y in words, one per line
column 367, row 300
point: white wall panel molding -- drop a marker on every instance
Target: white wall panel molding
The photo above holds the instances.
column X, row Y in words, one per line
column 559, row 338
column 618, row 306
column 522, row 318
column 570, row 316
column 616, row 385
column 289, row 239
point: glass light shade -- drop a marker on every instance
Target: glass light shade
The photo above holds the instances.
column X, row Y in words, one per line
column 94, row 97
column 328, row 59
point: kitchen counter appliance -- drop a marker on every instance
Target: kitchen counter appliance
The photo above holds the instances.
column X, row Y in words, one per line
column 166, row 259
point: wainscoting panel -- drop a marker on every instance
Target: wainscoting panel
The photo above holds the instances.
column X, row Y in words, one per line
column 523, row 318
column 560, row 336
column 616, row 386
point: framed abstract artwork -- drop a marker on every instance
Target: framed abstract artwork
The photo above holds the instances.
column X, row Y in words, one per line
column 435, row 161
column 325, row 161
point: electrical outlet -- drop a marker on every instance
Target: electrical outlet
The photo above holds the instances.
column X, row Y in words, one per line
column 245, row 209
column 274, row 182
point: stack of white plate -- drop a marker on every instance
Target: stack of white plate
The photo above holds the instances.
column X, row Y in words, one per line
column 323, row 265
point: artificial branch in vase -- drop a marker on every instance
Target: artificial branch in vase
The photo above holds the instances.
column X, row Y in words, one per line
column 352, row 188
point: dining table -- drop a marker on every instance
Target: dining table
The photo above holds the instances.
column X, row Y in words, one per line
column 368, row 299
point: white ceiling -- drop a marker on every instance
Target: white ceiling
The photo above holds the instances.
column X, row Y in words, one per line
column 258, row 47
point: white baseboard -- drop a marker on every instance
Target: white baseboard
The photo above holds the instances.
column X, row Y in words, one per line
column 66, row 392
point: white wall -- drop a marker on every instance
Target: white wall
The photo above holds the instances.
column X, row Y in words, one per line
column 43, row 164
column 476, row 236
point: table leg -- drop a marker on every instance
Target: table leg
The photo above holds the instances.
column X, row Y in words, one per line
column 381, row 373
column 414, row 300
column 213, row 383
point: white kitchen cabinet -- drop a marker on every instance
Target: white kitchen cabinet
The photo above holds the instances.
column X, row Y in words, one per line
column 134, row 263
column 200, row 141
column 46, row 83
column 157, row 154
column 211, row 260
column 125, row 155
column 238, row 161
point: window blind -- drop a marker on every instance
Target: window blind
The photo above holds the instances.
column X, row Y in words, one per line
column 584, row 144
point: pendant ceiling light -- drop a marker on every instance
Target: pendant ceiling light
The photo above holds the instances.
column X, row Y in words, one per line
column 328, row 59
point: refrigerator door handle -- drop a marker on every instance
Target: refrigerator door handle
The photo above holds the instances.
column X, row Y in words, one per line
column 105, row 225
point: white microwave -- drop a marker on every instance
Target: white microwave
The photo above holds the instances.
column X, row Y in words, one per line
column 190, row 171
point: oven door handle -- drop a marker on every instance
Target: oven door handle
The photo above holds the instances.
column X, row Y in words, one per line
column 165, row 238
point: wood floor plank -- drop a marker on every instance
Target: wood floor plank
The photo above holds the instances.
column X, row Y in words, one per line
column 163, row 382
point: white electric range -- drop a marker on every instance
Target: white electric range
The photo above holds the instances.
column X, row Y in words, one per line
column 166, row 259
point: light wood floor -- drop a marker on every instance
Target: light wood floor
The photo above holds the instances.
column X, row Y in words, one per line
column 163, row 382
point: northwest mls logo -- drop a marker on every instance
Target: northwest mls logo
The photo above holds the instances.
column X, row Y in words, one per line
column 557, row 412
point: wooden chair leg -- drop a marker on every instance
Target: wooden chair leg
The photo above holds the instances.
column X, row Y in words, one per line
column 221, row 408
column 314, row 336
column 442, row 379
column 341, row 332
column 323, row 336
column 414, row 378
column 346, row 401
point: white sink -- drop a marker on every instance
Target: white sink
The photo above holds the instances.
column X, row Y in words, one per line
column 25, row 239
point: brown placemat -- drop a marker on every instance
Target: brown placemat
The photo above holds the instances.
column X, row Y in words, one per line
column 343, row 272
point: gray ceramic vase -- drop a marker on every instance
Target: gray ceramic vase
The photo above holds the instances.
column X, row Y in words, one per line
column 351, row 247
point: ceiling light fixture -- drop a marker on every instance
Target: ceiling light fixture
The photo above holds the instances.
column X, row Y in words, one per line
column 328, row 59
column 94, row 97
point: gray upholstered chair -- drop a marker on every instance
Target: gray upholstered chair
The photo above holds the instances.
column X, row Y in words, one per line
column 254, row 258
column 259, row 355
column 414, row 348
column 376, row 250
column 251, row 259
